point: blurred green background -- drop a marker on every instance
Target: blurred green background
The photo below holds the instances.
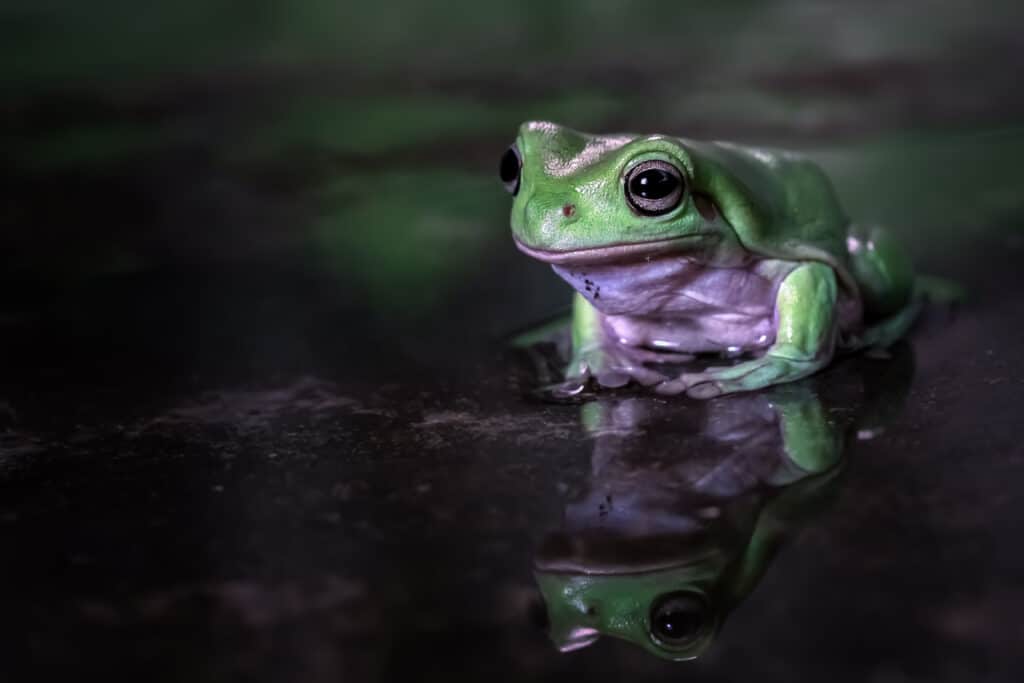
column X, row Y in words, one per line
column 360, row 140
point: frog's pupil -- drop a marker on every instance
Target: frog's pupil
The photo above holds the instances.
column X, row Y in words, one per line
column 654, row 183
column 677, row 624
column 678, row 618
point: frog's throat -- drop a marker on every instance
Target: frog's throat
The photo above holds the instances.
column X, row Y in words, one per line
column 614, row 556
column 616, row 253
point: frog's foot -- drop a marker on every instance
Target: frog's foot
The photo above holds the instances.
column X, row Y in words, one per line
column 804, row 343
column 747, row 376
column 606, row 368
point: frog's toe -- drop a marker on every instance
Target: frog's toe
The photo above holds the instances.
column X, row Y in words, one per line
column 705, row 390
column 635, row 373
column 570, row 387
column 576, row 380
column 613, row 379
column 648, row 378
column 671, row 387
column 694, row 385
column 712, row 382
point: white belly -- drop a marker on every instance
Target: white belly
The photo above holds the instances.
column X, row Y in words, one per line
column 673, row 304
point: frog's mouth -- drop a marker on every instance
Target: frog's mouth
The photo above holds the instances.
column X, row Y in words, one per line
column 617, row 253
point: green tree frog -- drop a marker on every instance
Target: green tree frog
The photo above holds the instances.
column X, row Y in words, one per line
column 678, row 247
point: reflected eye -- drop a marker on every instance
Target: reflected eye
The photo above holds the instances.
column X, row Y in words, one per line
column 511, row 167
column 654, row 187
column 678, row 619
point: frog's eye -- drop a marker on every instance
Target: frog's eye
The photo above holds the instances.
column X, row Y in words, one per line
column 511, row 169
column 678, row 619
column 654, row 187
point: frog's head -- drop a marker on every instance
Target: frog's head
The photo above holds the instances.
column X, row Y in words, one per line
column 666, row 613
column 589, row 199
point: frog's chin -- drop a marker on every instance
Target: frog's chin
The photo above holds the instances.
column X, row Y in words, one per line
column 564, row 554
column 618, row 253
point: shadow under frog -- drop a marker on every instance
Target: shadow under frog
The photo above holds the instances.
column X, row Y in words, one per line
column 686, row 507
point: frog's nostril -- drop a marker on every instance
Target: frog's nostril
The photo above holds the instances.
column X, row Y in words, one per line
column 569, row 210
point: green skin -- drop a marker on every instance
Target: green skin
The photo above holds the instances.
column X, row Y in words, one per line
column 837, row 288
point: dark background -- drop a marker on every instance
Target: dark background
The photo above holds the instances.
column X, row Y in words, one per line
column 256, row 418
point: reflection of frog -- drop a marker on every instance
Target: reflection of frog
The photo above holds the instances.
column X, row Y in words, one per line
column 678, row 247
column 684, row 510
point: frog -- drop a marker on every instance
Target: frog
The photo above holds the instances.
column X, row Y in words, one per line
column 683, row 512
column 681, row 249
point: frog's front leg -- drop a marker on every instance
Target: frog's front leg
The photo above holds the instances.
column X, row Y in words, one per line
column 805, row 318
column 594, row 357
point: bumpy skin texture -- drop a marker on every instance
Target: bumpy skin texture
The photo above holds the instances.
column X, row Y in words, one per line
column 757, row 258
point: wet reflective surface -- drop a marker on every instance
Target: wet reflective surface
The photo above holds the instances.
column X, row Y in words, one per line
column 684, row 510
column 258, row 420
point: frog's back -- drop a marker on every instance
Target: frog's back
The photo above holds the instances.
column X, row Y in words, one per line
column 797, row 198
column 782, row 204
